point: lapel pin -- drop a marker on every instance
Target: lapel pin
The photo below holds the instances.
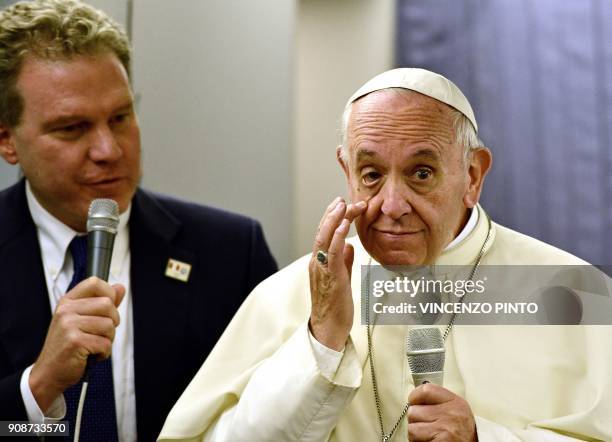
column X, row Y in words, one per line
column 178, row 270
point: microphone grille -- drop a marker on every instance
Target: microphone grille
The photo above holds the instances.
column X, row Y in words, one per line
column 103, row 215
column 425, row 350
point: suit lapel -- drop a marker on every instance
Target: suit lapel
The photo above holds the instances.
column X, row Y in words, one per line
column 25, row 312
column 160, row 304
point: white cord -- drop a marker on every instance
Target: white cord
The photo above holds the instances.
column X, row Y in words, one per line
column 77, row 425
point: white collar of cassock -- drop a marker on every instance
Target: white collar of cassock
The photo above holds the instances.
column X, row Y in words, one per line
column 467, row 229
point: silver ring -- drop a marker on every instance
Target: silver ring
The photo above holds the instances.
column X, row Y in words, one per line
column 322, row 257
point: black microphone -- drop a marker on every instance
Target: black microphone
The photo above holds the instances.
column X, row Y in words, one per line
column 102, row 224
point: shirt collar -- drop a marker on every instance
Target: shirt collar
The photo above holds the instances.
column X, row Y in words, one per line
column 467, row 229
column 122, row 244
column 55, row 236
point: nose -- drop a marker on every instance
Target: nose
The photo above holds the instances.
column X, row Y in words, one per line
column 104, row 146
column 395, row 200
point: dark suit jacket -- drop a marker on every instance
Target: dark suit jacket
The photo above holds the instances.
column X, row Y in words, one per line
column 176, row 324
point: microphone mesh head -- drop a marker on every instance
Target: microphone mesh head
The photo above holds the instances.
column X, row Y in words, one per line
column 429, row 341
column 103, row 215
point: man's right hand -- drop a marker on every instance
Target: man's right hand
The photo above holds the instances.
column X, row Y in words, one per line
column 83, row 324
column 331, row 316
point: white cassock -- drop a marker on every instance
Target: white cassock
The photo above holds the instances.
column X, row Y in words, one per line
column 531, row 383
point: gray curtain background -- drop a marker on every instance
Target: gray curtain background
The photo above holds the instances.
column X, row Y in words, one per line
column 539, row 76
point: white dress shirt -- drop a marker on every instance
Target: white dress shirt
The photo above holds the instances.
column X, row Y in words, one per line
column 54, row 238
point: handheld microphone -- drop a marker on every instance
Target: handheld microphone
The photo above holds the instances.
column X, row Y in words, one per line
column 102, row 224
column 425, row 352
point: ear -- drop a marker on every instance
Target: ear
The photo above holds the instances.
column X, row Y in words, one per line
column 342, row 161
column 7, row 145
column 480, row 162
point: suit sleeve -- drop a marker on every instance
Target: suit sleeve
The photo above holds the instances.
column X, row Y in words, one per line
column 262, row 263
column 12, row 407
column 11, row 403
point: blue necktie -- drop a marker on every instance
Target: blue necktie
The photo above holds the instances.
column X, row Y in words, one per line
column 99, row 419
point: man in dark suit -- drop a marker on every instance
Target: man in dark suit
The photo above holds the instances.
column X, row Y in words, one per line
column 67, row 118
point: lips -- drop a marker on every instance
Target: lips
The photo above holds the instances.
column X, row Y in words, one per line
column 106, row 186
column 103, row 181
column 397, row 232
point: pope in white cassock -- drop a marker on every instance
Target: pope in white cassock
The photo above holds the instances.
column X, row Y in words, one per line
column 294, row 362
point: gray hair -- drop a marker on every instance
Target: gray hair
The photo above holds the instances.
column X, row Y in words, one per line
column 465, row 134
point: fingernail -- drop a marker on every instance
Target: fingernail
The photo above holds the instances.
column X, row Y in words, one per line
column 361, row 204
column 339, row 205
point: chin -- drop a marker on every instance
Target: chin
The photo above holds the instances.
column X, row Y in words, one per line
column 122, row 196
column 123, row 203
column 398, row 258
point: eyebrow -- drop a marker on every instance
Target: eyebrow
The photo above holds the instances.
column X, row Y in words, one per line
column 363, row 154
column 432, row 154
column 72, row 118
column 62, row 120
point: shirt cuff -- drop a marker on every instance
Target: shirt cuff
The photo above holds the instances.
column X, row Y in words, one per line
column 328, row 360
column 56, row 412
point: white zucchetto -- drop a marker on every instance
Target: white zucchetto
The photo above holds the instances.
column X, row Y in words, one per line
column 423, row 81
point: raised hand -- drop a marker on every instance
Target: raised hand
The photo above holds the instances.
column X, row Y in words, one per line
column 331, row 316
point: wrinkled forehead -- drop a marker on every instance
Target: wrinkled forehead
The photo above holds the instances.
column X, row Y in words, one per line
column 423, row 81
column 400, row 115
